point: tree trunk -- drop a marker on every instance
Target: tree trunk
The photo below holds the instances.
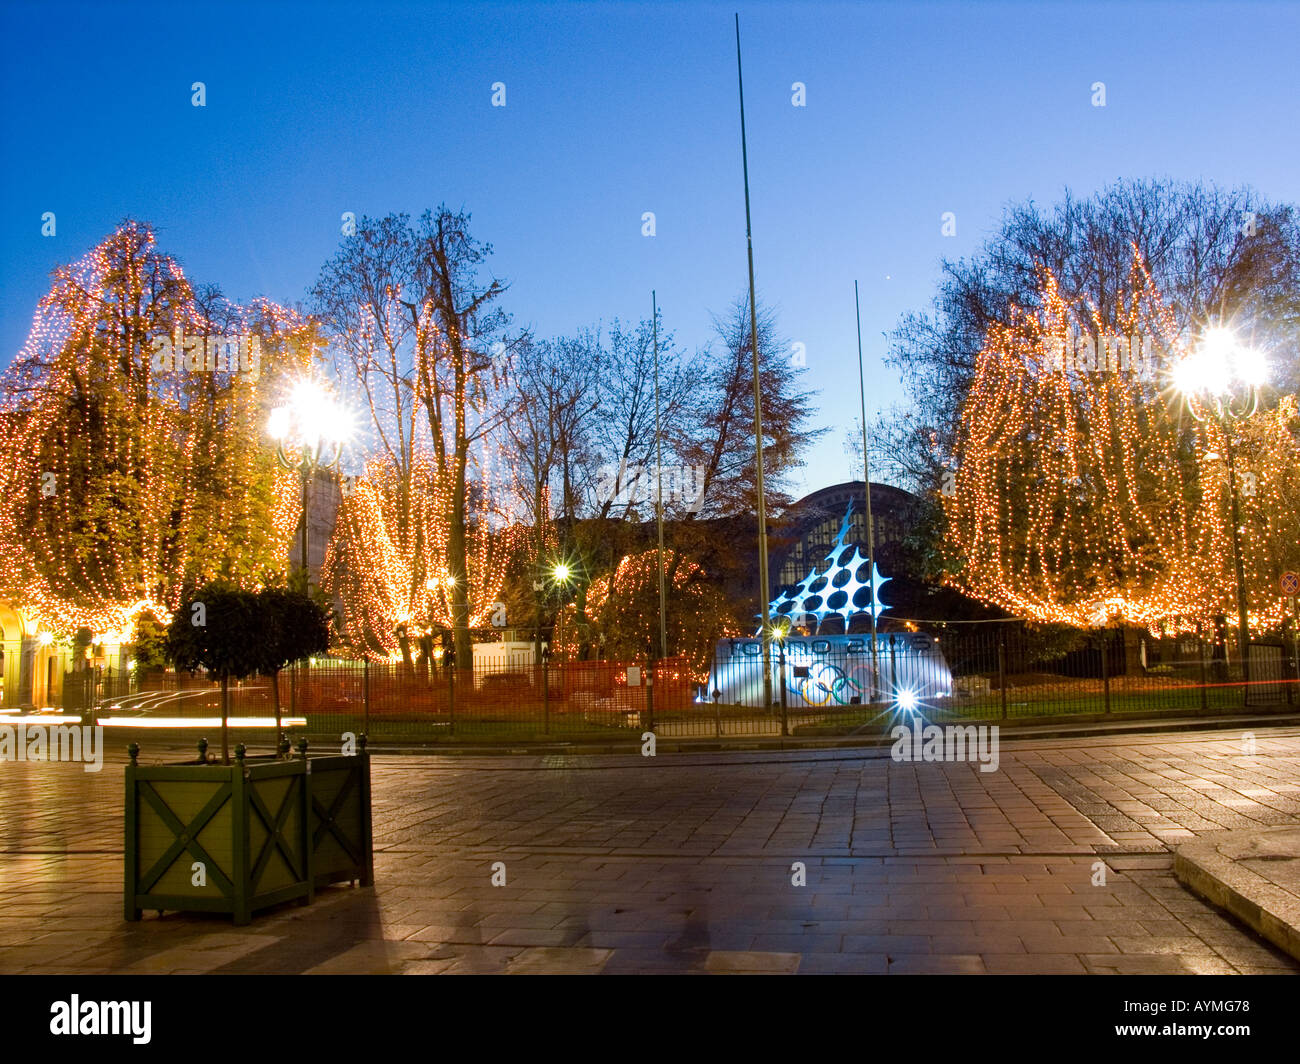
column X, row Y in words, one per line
column 408, row 666
column 275, row 698
column 582, row 623
column 1133, row 637
column 426, row 658
column 225, row 719
column 456, row 558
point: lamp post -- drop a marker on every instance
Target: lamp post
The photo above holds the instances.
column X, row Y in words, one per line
column 442, row 586
column 782, row 633
column 559, row 575
column 1220, row 380
column 866, row 488
column 659, row 480
column 309, row 432
column 764, row 591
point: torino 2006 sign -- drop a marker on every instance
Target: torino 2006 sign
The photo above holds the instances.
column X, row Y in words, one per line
column 831, row 670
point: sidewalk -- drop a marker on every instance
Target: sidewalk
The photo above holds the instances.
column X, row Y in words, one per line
column 807, row 861
column 1253, row 874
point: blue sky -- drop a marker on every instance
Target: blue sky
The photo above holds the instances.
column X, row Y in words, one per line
column 612, row 110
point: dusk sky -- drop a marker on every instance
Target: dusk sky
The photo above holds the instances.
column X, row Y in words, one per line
column 613, row 110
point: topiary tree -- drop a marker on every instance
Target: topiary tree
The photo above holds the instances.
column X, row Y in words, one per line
column 220, row 628
column 624, row 611
column 148, row 647
column 293, row 626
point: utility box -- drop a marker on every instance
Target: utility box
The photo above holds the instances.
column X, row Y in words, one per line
column 503, row 657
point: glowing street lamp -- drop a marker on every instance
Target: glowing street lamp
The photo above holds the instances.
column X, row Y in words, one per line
column 1221, row 377
column 906, row 700
column 1220, row 380
column 780, row 633
column 558, row 574
column 309, row 433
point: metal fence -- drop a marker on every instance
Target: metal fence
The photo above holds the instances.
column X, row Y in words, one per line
column 825, row 687
column 394, row 701
column 1006, row 671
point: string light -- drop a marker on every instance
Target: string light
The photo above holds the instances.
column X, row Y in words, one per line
column 120, row 484
column 388, row 560
column 624, row 608
column 1082, row 496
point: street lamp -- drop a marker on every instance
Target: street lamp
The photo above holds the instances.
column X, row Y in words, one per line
column 1220, row 379
column 441, row 586
column 309, row 433
column 781, row 632
column 559, row 574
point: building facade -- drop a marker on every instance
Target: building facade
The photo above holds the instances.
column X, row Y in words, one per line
column 34, row 661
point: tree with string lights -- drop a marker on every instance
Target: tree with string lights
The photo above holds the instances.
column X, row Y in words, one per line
column 389, row 563
column 406, row 306
column 1080, row 492
column 125, row 478
column 624, row 607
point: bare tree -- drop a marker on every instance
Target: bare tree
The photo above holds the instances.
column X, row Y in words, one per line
column 408, row 308
column 549, row 430
column 623, row 438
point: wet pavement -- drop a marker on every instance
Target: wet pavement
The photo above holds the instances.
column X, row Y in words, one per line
column 816, row 861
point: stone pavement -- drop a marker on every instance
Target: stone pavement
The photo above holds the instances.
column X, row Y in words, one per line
column 688, row 863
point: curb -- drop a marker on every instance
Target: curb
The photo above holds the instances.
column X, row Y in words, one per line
column 1007, row 732
column 1258, row 902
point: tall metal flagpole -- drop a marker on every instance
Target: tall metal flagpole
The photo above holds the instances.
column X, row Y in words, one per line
column 659, row 465
column 866, row 477
column 764, row 589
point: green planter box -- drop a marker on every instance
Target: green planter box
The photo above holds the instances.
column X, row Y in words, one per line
column 338, row 819
column 241, row 837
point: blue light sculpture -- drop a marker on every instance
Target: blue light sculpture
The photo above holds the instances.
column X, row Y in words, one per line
column 839, row 589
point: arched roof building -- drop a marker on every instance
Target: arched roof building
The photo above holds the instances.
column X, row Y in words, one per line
column 809, row 528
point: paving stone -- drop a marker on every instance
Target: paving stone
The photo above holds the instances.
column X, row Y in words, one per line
column 1033, row 964
column 938, row 964
column 685, row 866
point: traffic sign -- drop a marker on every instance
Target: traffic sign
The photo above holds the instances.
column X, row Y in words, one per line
column 1291, row 583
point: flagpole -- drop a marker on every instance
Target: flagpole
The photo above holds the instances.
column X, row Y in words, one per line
column 659, row 466
column 866, row 477
column 764, row 587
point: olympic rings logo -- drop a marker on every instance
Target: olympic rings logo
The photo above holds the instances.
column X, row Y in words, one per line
column 829, row 683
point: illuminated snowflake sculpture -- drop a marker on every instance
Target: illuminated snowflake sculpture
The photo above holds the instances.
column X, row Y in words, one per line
column 844, row 588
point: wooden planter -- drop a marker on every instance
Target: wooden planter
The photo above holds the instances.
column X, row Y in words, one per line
column 338, row 819
column 242, row 837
